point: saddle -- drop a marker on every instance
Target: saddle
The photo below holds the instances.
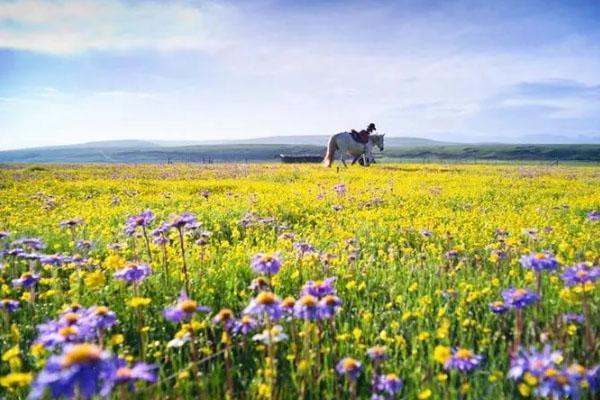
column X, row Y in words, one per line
column 360, row 137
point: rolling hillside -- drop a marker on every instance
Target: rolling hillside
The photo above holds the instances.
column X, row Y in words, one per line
column 151, row 153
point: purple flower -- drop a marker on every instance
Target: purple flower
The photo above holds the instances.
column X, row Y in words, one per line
column 463, row 360
column 426, row 233
column 71, row 223
column 79, row 261
column 304, row 248
column 266, row 263
column 340, row 189
column 592, row 377
column 287, row 305
column 570, row 317
column 30, row 256
column 260, row 284
column 501, row 233
column 56, row 260
column 530, row 232
column 9, row 305
column 265, row 303
column 451, row 254
column 329, row 306
column 245, row 325
column 135, row 221
column 307, row 307
column 498, row 253
column 26, row 281
column 319, row 289
column 3, row 235
column 226, row 318
column 184, row 309
column 580, row 274
column 539, row 262
column 558, row 384
column 32, row 243
column 160, row 234
column 84, row 244
column 181, row 221
column 349, row 367
column 377, row 353
column 72, row 326
column 16, row 252
column 83, row 370
column 133, row 273
column 138, row 372
column 100, row 317
column 519, row 298
column 388, row 383
column 593, row 216
column 115, row 246
column 498, row 307
column 533, row 362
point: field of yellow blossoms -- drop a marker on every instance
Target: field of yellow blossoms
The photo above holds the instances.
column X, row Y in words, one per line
column 278, row 281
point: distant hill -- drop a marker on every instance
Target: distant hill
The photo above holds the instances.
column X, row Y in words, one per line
column 321, row 140
column 103, row 144
column 144, row 152
column 313, row 140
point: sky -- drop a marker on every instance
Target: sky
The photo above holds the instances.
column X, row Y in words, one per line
column 74, row 71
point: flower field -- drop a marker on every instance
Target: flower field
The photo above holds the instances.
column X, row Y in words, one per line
column 282, row 281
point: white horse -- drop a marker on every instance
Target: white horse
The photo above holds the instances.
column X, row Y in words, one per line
column 344, row 144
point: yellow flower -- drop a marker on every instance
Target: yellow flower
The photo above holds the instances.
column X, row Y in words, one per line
column 116, row 339
column 138, row 302
column 114, row 262
column 183, row 375
column 495, row 376
column 524, row 390
column 441, row 377
column 37, row 350
column 441, row 354
column 530, row 379
column 423, row 336
column 424, row 394
column 26, row 296
column 357, row 333
column 94, row 279
column 11, row 353
column 16, row 379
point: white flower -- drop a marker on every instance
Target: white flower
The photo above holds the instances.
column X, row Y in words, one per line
column 179, row 342
column 276, row 336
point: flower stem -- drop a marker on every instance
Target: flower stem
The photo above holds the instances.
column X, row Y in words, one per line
column 185, row 270
column 147, row 243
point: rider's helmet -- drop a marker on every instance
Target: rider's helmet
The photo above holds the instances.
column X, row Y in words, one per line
column 371, row 127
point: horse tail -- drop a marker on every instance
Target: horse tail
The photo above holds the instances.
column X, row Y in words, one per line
column 330, row 152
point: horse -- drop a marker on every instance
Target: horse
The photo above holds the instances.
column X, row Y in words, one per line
column 345, row 144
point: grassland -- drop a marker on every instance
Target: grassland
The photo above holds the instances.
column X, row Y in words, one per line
column 417, row 252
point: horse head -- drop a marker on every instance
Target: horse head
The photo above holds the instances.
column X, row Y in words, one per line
column 377, row 140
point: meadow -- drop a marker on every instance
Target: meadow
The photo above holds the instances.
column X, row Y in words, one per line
column 401, row 281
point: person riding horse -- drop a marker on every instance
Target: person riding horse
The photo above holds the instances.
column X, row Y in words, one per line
column 363, row 136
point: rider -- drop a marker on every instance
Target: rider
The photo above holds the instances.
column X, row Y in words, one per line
column 363, row 136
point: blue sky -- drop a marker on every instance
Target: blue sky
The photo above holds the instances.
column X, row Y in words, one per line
column 83, row 70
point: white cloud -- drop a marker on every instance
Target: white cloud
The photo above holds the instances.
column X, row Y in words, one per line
column 70, row 26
